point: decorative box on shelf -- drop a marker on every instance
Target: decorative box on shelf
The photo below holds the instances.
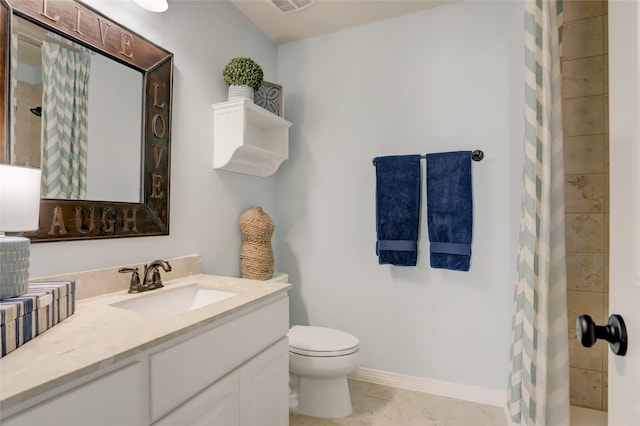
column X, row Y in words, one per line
column 24, row 317
column 248, row 139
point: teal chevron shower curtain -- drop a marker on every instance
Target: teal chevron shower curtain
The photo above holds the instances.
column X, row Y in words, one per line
column 538, row 392
column 65, row 88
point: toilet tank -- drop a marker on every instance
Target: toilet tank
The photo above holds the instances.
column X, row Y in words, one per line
column 280, row 277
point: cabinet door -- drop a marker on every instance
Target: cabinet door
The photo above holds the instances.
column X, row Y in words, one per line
column 264, row 387
column 208, row 356
column 215, row 406
column 118, row 398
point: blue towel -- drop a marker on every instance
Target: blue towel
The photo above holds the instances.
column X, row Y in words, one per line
column 397, row 209
column 450, row 209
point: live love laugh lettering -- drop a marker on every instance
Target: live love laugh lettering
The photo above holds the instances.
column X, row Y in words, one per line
column 78, row 219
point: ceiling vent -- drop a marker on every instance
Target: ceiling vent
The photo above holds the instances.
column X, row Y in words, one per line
column 288, row 6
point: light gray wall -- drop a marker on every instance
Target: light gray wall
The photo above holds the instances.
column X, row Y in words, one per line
column 440, row 80
column 205, row 203
column 349, row 99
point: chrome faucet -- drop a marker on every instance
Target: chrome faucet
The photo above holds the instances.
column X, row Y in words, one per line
column 148, row 282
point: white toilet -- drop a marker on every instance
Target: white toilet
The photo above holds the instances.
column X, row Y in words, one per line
column 320, row 359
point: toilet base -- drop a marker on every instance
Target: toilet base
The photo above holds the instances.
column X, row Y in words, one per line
column 326, row 398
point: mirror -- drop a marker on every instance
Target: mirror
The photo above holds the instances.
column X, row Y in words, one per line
column 128, row 119
column 109, row 147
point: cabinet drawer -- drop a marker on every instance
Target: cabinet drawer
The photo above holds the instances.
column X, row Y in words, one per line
column 118, row 398
column 181, row 371
column 215, row 406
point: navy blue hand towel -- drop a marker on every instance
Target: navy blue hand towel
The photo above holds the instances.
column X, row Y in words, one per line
column 450, row 209
column 397, row 209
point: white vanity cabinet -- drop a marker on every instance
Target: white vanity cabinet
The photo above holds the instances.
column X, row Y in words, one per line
column 232, row 371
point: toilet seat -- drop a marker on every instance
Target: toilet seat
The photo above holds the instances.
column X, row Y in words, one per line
column 321, row 342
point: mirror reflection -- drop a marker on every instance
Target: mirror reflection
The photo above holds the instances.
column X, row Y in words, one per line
column 77, row 116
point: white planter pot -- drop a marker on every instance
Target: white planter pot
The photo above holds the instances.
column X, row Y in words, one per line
column 238, row 92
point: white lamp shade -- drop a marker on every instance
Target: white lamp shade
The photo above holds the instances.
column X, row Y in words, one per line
column 153, row 5
column 19, row 198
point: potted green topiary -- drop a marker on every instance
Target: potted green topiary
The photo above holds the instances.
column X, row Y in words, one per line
column 243, row 76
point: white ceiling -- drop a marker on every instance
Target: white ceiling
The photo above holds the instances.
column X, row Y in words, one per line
column 325, row 16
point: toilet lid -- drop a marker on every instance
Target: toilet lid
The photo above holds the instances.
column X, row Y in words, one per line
column 321, row 341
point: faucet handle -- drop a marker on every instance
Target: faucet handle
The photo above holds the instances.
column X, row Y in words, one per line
column 156, row 280
column 134, row 284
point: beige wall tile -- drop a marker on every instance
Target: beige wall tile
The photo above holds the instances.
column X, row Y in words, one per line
column 586, row 158
column 583, row 116
column 583, row 38
column 606, row 193
column 585, row 272
column 605, row 391
column 579, row 302
column 605, row 33
column 583, row 77
column 585, row 388
column 605, row 73
column 584, row 233
column 584, row 154
column 585, row 193
column 606, row 233
column 574, row 10
column 605, row 153
column 605, row 109
column 605, row 357
column 605, row 346
column 581, row 357
column 605, row 278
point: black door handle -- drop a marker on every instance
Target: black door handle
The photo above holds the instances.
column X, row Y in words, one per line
column 614, row 332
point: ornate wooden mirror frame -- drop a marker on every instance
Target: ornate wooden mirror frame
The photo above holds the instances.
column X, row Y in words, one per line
column 79, row 220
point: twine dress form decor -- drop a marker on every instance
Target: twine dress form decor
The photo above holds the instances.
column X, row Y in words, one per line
column 256, row 256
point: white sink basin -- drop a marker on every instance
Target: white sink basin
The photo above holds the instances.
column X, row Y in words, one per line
column 174, row 301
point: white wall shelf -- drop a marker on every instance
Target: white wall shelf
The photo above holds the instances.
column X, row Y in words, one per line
column 248, row 138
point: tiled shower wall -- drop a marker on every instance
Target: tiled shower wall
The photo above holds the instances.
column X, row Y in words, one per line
column 586, row 158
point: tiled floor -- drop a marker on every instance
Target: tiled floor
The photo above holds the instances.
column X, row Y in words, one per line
column 377, row 405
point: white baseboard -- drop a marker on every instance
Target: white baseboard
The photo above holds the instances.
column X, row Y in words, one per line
column 452, row 390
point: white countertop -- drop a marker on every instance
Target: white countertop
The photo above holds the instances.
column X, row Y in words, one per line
column 98, row 335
